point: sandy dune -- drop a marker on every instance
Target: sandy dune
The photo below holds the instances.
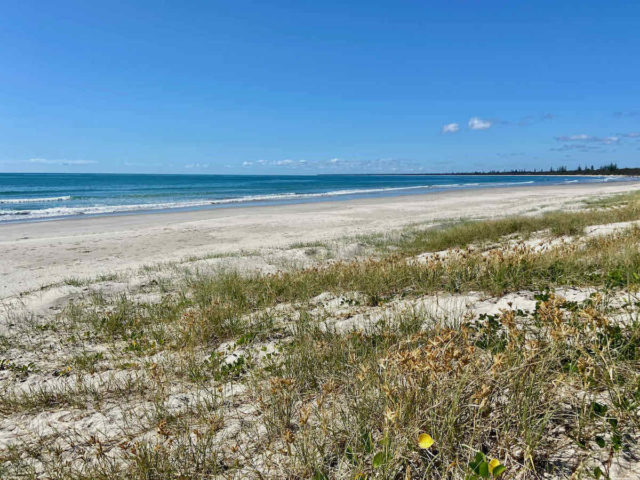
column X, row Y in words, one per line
column 44, row 347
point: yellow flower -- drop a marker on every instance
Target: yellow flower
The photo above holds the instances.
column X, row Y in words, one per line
column 425, row 441
column 493, row 464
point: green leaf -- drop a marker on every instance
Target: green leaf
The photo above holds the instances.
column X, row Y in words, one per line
column 379, row 459
column 597, row 473
column 581, row 443
column 319, row 475
column 475, row 464
column 483, row 470
column 600, row 441
column 497, row 471
column 351, row 456
column 367, row 442
column 616, row 441
column 599, row 408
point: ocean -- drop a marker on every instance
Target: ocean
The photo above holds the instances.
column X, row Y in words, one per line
column 31, row 197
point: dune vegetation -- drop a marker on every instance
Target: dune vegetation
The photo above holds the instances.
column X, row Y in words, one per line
column 504, row 348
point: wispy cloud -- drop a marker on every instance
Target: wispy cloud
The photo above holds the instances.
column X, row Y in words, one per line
column 573, row 138
column 450, row 128
column 579, row 147
column 340, row 165
column 196, row 165
column 476, row 123
column 583, row 137
column 585, row 143
column 284, row 163
column 276, row 163
column 48, row 161
column 630, row 135
column 528, row 120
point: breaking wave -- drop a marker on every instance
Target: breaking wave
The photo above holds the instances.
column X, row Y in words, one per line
column 35, row 200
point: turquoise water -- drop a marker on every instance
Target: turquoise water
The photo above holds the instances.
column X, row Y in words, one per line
column 46, row 196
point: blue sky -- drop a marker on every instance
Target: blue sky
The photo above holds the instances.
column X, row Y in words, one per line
column 317, row 87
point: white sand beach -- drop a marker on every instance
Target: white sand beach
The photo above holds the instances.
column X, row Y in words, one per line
column 43, row 253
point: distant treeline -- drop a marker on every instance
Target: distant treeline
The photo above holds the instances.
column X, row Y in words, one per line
column 609, row 169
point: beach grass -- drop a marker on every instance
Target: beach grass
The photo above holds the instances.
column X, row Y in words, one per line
column 270, row 387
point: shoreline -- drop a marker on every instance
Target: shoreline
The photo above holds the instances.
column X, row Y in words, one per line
column 54, row 212
column 42, row 253
column 223, row 210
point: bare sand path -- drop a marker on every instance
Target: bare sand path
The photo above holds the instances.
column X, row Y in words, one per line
column 37, row 254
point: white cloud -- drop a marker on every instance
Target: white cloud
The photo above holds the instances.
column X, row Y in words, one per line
column 276, row 163
column 282, row 163
column 48, row 161
column 338, row 164
column 450, row 128
column 196, row 165
column 476, row 123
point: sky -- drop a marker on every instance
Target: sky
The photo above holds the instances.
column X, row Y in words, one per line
column 305, row 87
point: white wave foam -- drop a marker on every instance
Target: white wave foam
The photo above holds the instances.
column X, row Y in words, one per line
column 33, row 214
column 35, row 200
column 518, row 183
column 103, row 209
